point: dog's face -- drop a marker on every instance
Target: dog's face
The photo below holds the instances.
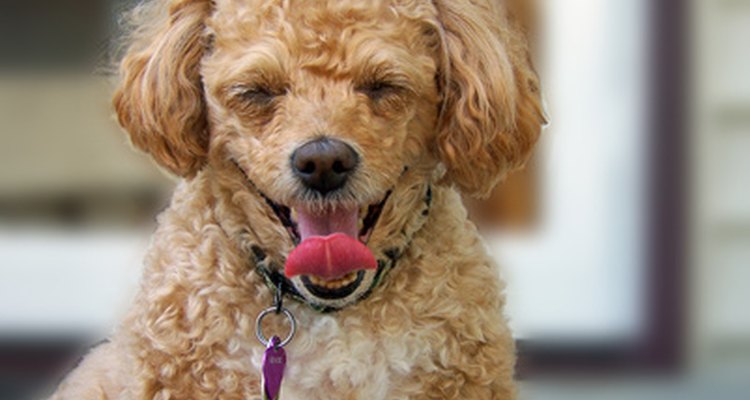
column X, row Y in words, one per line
column 297, row 88
column 323, row 108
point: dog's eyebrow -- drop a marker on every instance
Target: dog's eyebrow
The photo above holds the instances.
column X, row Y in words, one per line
column 388, row 65
column 391, row 76
column 262, row 62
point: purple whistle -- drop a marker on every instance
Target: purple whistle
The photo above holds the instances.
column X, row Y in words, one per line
column 274, row 362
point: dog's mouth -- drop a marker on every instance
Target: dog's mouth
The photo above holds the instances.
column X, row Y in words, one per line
column 334, row 217
column 331, row 258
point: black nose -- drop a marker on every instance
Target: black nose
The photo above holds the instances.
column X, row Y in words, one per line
column 324, row 164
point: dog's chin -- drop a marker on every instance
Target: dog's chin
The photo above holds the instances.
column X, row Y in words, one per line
column 331, row 265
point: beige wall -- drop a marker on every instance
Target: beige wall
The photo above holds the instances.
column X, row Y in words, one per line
column 720, row 169
column 57, row 133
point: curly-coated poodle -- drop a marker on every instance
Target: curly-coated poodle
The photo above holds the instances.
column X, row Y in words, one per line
column 323, row 147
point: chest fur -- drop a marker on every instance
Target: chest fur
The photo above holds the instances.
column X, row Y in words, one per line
column 347, row 358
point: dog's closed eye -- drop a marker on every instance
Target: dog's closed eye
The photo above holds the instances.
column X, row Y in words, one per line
column 259, row 95
column 377, row 90
column 254, row 101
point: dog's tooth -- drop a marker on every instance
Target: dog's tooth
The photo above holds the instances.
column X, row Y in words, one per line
column 334, row 284
column 294, row 215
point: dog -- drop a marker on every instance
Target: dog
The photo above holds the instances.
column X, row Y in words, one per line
column 323, row 148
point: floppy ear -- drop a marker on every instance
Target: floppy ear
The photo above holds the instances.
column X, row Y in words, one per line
column 491, row 113
column 159, row 100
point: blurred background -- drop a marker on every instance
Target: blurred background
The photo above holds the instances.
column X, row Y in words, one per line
column 625, row 244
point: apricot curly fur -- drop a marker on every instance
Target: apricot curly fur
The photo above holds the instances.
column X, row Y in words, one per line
column 461, row 108
column 160, row 97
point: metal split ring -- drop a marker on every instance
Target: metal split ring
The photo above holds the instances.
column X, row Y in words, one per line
column 273, row 310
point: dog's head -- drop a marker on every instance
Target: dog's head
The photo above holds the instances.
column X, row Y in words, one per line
column 335, row 113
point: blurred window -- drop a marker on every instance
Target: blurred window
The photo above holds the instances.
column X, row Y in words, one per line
column 577, row 276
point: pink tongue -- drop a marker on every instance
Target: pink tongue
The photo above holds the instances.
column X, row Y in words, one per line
column 329, row 248
column 329, row 257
